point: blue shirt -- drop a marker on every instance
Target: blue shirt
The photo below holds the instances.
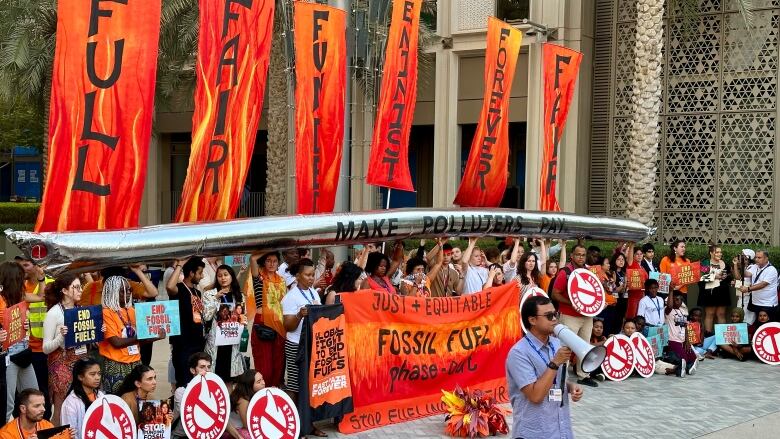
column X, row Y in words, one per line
column 524, row 366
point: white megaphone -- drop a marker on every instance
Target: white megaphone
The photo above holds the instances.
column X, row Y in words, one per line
column 592, row 356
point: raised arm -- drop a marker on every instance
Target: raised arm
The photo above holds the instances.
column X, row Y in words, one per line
column 466, row 257
column 173, row 281
column 397, row 259
column 150, row 291
column 434, row 272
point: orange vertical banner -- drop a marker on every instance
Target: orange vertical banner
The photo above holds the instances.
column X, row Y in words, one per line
column 100, row 122
column 561, row 66
column 389, row 164
column 234, row 47
column 484, row 179
column 320, row 86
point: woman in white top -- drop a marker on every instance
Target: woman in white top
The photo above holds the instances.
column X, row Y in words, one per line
column 225, row 294
column 294, row 309
column 61, row 294
column 84, row 390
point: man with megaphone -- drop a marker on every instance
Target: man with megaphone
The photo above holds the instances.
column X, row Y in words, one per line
column 536, row 373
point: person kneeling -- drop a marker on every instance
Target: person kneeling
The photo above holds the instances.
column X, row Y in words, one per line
column 540, row 407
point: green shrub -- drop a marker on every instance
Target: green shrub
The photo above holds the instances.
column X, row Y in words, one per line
column 18, row 213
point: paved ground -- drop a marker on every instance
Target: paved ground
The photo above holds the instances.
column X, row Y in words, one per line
column 725, row 399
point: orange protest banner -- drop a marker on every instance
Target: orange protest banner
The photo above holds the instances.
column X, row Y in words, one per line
column 635, row 279
column 685, row 273
column 484, row 179
column 234, row 47
column 403, row 350
column 389, row 164
column 561, row 66
column 14, row 319
column 329, row 368
column 320, row 90
column 100, row 122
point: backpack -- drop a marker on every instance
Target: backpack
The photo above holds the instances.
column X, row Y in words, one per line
column 566, row 270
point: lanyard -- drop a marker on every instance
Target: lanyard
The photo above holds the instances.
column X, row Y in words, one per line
column 127, row 324
column 311, row 294
column 759, row 273
column 545, row 361
column 657, row 307
column 19, row 426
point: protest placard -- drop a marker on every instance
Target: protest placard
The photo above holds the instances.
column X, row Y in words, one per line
column 728, row 333
column 150, row 317
column 14, row 319
column 84, row 325
column 154, row 420
column 230, row 324
column 664, row 281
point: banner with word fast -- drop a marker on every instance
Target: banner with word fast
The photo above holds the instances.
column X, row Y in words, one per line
column 85, row 326
column 150, row 317
column 402, row 351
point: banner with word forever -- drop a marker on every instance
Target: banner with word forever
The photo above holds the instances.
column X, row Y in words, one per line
column 403, row 351
column 100, row 120
column 234, row 46
column 85, row 325
column 150, row 317
column 484, row 179
column 320, row 90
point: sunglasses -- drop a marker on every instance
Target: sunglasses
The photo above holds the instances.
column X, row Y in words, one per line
column 550, row 315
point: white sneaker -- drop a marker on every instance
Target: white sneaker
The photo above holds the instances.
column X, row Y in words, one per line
column 681, row 372
column 692, row 370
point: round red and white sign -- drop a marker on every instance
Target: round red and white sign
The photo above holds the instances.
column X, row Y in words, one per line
column 586, row 292
column 766, row 343
column 619, row 362
column 644, row 359
column 532, row 292
column 205, row 407
column 108, row 417
column 272, row 414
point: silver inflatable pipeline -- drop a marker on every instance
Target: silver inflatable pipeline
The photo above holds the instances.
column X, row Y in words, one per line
column 88, row 251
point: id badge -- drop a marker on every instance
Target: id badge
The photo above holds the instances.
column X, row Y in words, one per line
column 555, row 395
column 81, row 350
column 133, row 350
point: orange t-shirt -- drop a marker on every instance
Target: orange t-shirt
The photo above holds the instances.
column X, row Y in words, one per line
column 666, row 267
column 115, row 327
column 12, row 430
column 93, row 292
column 544, row 282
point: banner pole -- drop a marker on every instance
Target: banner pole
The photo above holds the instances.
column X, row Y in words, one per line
column 387, row 207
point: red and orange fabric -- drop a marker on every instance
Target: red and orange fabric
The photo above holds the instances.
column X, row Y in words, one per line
column 320, row 90
column 102, row 101
column 234, row 47
column 561, row 66
column 389, row 164
column 485, row 176
column 403, row 350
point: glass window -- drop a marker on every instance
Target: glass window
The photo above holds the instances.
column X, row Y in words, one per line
column 512, row 10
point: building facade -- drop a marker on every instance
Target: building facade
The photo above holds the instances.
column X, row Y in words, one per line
column 716, row 169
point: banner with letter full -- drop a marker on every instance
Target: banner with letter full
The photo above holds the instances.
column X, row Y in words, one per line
column 150, row 317
column 85, row 326
column 685, row 273
column 389, row 164
column 402, row 351
column 234, row 46
column 561, row 66
column 154, row 419
column 731, row 333
column 324, row 366
column 484, row 179
column 14, row 318
column 100, row 120
column 320, row 91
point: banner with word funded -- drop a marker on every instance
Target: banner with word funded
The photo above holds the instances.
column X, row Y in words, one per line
column 324, row 366
column 234, row 46
column 560, row 68
column 403, row 351
column 320, row 90
column 85, row 326
column 389, row 164
column 100, row 119
column 685, row 273
column 484, row 179
column 14, row 318
column 151, row 317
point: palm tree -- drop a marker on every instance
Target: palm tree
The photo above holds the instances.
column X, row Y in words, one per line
column 646, row 98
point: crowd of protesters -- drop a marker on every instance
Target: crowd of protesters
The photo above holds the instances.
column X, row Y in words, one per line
column 47, row 381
